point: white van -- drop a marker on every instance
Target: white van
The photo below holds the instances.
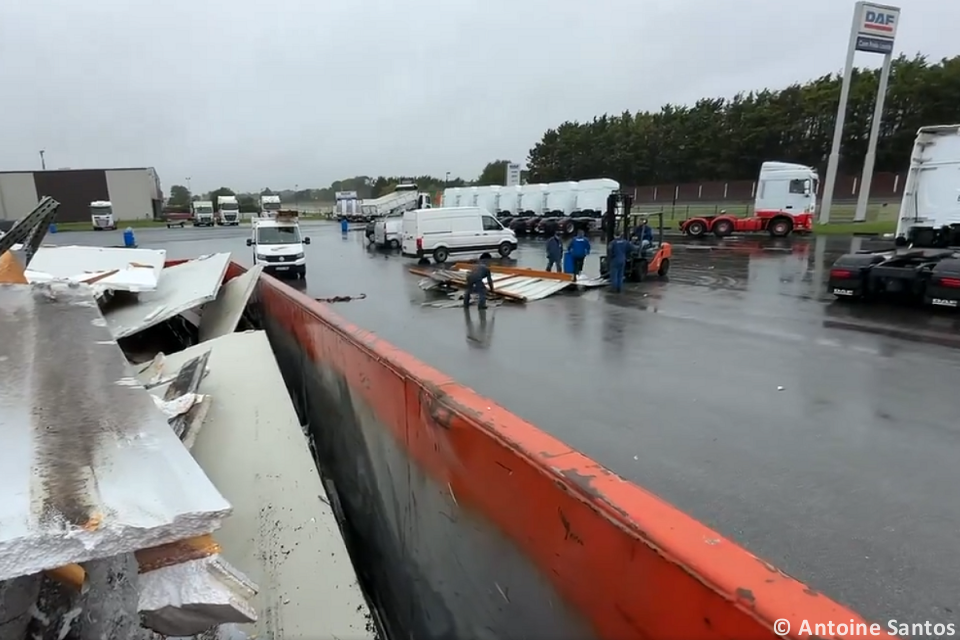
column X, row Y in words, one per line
column 447, row 231
column 386, row 230
column 278, row 245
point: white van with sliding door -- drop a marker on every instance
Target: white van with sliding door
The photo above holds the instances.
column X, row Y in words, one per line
column 446, row 231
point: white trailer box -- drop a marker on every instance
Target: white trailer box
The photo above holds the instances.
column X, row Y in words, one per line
column 451, row 196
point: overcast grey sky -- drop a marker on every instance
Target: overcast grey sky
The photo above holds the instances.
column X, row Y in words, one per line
column 254, row 93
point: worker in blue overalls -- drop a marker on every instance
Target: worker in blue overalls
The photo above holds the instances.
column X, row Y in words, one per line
column 644, row 234
column 555, row 252
column 617, row 253
column 475, row 285
column 579, row 249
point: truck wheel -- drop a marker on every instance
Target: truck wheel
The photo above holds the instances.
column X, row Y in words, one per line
column 505, row 249
column 696, row 229
column 394, row 244
column 780, row 227
column 638, row 271
column 664, row 268
column 723, row 228
column 440, row 255
column 569, row 228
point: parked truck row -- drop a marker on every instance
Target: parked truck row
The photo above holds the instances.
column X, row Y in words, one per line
column 535, row 208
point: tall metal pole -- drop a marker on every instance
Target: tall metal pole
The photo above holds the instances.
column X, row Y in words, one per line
column 43, row 163
column 833, row 163
column 870, row 159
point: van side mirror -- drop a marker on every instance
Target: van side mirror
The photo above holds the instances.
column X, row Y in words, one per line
column 306, row 240
column 249, row 242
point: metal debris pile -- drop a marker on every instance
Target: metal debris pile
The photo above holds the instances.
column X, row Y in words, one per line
column 509, row 283
column 114, row 457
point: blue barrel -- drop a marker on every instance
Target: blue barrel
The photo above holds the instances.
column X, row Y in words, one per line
column 53, row 228
column 344, row 225
column 129, row 240
column 568, row 262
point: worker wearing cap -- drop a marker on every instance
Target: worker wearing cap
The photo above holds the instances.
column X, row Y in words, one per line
column 617, row 252
column 579, row 250
column 554, row 252
column 475, row 280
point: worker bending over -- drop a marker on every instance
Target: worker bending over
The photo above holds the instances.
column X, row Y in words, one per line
column 554, row 252
column 475, row 280
column 617, row 252
column 579, row 249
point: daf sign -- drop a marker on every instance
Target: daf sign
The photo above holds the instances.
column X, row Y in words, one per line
column 876, row 28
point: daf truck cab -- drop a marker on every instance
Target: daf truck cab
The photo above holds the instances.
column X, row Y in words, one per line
column 202, row 211
column 924, row 265
column 278, row 244
column 101, row 215
column 228, row 210
column 785, row 203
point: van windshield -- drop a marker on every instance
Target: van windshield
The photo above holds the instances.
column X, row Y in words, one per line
column 278, row 235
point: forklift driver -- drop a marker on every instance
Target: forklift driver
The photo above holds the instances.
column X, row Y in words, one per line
column 644, row 234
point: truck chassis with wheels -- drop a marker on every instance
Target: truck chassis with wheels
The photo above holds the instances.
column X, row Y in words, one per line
column 778, row 224
column 927, row 274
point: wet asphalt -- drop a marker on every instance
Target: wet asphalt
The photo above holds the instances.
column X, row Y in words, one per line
column 820, row 436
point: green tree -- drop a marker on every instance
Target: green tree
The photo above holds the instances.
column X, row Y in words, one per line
column 728, row 139
column 179, row 196
column 495, row 173
column 222, row 191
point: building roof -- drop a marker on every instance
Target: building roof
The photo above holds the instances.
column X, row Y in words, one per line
column 84, row 169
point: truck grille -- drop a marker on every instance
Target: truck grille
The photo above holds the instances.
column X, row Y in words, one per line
column 278, row 258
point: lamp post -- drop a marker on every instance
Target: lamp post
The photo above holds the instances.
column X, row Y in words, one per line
column 43, row 163
column 296, row 197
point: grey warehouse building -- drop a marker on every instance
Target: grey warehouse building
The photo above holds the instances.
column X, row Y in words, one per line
column 135, row 193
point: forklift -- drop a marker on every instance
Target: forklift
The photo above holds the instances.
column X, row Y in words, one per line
column 641, row 262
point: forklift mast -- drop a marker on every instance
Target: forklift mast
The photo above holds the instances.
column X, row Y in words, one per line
column 617, row 215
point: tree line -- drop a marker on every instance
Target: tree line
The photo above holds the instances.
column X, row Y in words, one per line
column 366, row 187
column 728, row 139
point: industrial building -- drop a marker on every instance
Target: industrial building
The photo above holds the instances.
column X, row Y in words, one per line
column 135, row 193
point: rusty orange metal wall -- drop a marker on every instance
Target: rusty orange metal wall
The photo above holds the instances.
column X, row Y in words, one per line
column 611, row 560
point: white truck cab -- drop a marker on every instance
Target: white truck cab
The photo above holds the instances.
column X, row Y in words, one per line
column 202, row 213
column 931, row 194
column 786, row 187
column 228, row 210
column 278, row 245
column 269, row 206
column 101, row 215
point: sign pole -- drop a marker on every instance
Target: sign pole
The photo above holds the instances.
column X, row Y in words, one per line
column 830, row 182
column 870, row 160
